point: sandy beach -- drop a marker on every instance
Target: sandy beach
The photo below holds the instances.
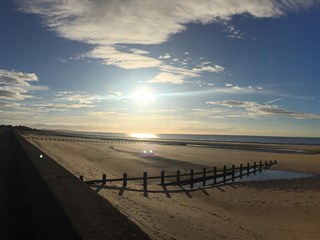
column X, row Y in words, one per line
column 274, row 209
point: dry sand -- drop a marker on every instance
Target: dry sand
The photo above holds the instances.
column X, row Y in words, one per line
column 277, row 209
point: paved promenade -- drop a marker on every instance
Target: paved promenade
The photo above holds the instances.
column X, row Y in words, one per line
column 15, row 217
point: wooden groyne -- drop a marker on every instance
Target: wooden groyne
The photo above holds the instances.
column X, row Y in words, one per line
column 214, row 176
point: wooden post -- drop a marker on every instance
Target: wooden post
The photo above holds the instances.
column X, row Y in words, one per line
column 204, row 176
column 145, row 179
column 104, row 179
column 275, row 161
column 81, row 177
column 260, row 167
column 224, row 173
column 232, row 173
column 214, row 175
column 248, row 169
column 162, row 178
column 265, row 165
column 191, row 178
column 125, row 180
column 254, row 168
column 241, row 170
column 178, row 176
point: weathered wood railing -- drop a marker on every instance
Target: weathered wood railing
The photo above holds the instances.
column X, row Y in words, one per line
column 217, row 176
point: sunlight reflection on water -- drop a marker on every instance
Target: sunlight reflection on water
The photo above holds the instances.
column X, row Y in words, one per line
column 143, row 135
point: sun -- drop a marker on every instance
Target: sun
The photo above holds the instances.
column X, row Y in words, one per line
column 143, row 96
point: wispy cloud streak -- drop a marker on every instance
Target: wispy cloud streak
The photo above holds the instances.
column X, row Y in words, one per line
column 255, row 109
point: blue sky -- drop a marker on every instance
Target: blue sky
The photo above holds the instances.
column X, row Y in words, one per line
column 201, row 67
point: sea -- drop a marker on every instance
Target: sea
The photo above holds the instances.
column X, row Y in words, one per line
column 213, row 138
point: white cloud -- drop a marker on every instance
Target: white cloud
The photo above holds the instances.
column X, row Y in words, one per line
column 273, row 101
column 139, row 51
column 62, row 60
column 165, row 77
column 106, row 24
column 110, row 55
column 107, row 114
column 204, row 64
column 213, row 68
column 83, row 99
column 233, row 32
column 179, row 71
column 40, row 108
column 11, row 77
column 173, row 75
column 165, row 56
column 139, row 22
column 13, row 93
column 218, row 113
column 66, row 106
column 79, row 97
column 230, row 88
column 255, row 109
column 37, row 88
column 15, row 85
column 232, row 103
column 236, row 87
column 164, row 111
column 11, row 105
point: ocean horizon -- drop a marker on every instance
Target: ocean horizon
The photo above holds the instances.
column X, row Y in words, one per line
column 210, row 138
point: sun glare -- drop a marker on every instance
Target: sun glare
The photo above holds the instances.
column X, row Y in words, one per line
column 143, row 96
column 143, row 135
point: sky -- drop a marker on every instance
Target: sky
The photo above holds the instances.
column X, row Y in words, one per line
column 248, row 67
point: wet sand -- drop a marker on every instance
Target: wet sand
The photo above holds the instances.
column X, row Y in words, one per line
column 276, row 209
